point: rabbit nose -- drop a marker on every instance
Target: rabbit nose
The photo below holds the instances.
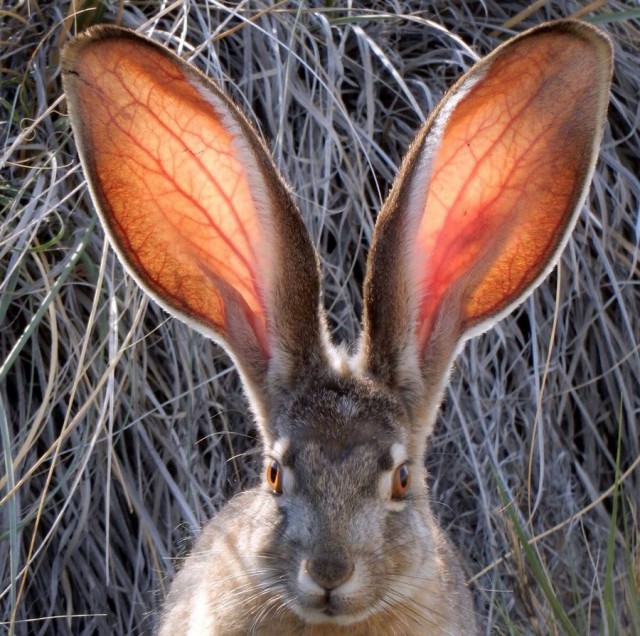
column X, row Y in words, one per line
column 330, row 571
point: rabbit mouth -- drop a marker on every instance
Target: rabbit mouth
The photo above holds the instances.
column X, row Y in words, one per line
column 331, row 608
column 330, row 615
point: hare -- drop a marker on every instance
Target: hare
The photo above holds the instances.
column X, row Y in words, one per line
column 340, row 537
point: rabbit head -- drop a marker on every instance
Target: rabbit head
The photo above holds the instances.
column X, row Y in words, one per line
column 340, row 532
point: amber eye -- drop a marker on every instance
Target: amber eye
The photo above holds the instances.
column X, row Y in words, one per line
column 401, row 481
column 274, row 477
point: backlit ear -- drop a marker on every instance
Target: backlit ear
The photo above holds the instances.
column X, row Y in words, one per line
column 486, row 198
column 192, row 202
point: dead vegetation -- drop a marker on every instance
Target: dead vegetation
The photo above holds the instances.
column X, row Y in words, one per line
column 122, row 431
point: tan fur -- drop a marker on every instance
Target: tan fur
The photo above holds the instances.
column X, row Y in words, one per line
column 219, row 569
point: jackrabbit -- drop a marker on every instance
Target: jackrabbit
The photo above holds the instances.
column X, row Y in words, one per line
column 339, row 538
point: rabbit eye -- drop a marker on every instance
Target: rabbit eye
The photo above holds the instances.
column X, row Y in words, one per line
column 274, row 477
column 401, row 481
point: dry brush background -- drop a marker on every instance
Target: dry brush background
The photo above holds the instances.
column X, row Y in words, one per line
column 122, row 431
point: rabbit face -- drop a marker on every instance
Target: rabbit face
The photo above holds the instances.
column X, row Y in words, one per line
column 349, row 535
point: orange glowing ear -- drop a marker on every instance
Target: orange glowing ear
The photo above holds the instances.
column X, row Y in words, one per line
column 488, row 194
column 190, row 198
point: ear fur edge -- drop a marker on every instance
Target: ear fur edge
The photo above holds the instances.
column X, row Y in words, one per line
column 293, row 341
column 389, row 257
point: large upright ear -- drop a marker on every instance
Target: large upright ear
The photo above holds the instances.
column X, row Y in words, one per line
column 485, row 200
column 193, row 204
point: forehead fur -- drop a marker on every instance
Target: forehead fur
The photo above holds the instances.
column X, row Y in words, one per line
column 340, row 411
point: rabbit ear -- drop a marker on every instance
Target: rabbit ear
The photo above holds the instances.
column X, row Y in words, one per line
column 193, row 203
column 485, row 200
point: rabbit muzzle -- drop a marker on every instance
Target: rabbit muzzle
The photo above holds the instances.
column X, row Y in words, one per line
column 330, row 590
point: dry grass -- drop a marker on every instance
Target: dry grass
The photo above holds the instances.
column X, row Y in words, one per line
column 122, row 431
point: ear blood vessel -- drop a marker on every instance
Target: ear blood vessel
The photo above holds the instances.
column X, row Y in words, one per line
column 340, row 537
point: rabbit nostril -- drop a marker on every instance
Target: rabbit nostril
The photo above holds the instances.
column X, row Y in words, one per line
column 330, row 571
